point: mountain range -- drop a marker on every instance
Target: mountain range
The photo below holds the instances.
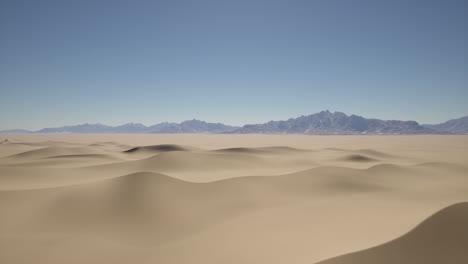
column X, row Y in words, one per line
column 322, row 123
column 325, row 123
column 456, row 126
column 189, row 126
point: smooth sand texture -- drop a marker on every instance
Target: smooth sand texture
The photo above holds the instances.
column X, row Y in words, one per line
column 442, row 238
column 233, row 199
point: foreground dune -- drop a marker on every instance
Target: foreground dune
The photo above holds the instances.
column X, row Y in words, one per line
column 442, row 238
column 233, row 199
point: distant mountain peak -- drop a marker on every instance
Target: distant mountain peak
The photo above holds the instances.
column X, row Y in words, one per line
column 457, row 126
column 321, row 123
column 326, row 122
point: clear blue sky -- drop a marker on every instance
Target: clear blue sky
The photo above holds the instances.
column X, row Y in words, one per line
column 67, row 62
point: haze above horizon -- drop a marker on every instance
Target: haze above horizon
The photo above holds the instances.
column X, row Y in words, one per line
column 236, row 62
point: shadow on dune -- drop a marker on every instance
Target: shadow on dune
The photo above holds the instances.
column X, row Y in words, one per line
column 147, row 206
column 157, row 148
column 442, row 238
column 238, row 150
column 358, row 158
column 264, row 150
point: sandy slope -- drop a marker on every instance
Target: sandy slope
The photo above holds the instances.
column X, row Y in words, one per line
column 233, row 199
column 442, row 238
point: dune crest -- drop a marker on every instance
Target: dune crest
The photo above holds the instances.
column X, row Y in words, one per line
column 441, row 238
column 232, row 199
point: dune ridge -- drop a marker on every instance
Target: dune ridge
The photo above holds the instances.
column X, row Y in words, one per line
column 203, row 199
column 441, row 238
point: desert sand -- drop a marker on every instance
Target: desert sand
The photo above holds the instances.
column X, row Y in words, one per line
column 233, row 199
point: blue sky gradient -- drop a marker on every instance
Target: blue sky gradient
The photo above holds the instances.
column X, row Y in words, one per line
column 67, row 62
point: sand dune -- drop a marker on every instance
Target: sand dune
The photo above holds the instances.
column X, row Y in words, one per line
column 88, row 198
column 442, row 238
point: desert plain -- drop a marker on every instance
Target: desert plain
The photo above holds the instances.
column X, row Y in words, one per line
column 121, row 198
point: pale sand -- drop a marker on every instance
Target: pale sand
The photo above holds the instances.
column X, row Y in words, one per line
column 233, row 199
